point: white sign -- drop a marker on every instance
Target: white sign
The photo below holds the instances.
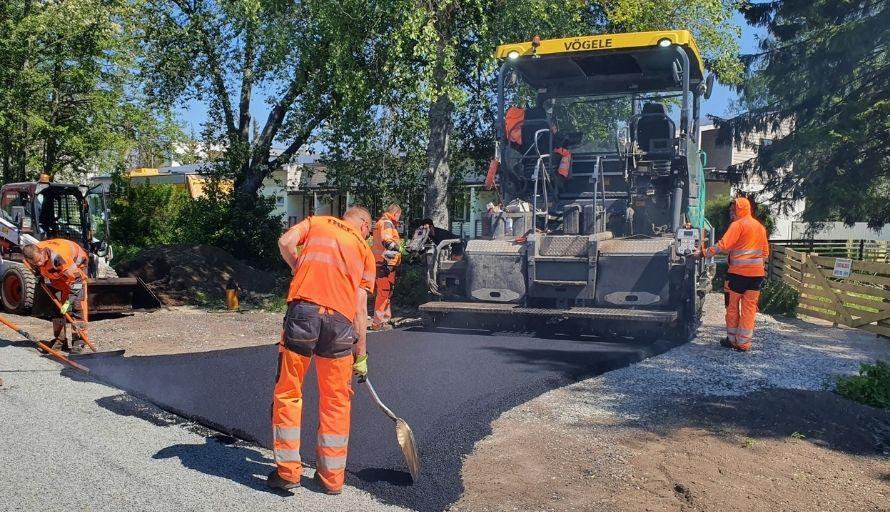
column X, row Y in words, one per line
column 842, row 267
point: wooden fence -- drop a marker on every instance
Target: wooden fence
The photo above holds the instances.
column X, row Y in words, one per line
column 862, row 250
column 860, row 300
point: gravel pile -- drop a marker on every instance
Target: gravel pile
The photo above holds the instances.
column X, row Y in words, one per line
column 787, row 354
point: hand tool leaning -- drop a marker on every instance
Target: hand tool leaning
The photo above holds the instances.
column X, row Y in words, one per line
column 404, row 436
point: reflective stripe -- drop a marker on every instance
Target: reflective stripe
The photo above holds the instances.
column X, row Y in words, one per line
column 730, row 337
column 287, row 455
column 286, row 433
column 746, row 262
column 746, row 333
column 731, row 330
column 324, row 258
column 332, row 440
column 331, row 463
column 387, row 224
column 742, row 252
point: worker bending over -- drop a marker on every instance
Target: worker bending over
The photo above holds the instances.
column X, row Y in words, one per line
column 326, row 316
column 387, row 257
column 63, row 264
column 746, row 245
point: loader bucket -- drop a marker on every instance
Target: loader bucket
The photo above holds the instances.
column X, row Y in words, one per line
column 106, row 296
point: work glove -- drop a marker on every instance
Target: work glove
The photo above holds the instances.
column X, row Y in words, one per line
column 65, row 307
column 360, row 367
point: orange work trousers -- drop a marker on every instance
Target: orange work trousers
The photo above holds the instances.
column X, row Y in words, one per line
column 382, row 302
column 741, row 310
column 334, row 395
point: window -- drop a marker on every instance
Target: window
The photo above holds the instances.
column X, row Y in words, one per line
column 765, row 142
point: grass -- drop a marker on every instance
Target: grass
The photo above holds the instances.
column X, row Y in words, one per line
column 797, row 435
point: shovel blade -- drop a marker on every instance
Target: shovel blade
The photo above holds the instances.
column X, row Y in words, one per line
column 409, row 448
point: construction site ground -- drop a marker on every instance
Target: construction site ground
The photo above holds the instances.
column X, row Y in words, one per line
column 505, row 421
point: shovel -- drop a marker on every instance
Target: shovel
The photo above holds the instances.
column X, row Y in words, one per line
column 404, row 436
column 58, row 355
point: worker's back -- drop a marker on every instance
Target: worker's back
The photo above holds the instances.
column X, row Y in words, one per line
column 745, row 242
column 333, row 264
column 62, row 254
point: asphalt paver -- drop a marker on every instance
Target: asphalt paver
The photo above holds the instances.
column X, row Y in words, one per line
column 447, row 384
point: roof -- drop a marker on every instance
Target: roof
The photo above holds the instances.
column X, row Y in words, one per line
column 603, row 64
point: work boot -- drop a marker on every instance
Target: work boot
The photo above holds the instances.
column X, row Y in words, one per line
column 59, row 344
column 275, row 481
column 76, row 347
column 742, row 347
column 725, row 342
column 317, row 479
column 381, row 327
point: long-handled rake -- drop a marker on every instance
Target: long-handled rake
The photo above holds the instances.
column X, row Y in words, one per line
column 55, row 353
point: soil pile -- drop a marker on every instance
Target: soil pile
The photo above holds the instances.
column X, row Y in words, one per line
column 182, row 274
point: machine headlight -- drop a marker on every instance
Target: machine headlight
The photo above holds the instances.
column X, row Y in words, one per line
column 513, row 55
column 664, row 43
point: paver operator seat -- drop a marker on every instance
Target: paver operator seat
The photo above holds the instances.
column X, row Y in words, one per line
column 655, row 131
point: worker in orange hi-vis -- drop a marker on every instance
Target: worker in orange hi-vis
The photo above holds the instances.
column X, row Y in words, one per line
column 63, row 264
column 747, row 246
column 333, row 272
column 385, row 247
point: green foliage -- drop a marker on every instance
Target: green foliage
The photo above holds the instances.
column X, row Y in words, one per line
column 717, row 212
column 411, row 287
column 778, row 298
column 146, row 215
column 820, row 86
column 66, row 97
column 870, row 387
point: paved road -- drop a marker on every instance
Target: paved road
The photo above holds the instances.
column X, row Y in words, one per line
column 448, row 385
column 72, row 444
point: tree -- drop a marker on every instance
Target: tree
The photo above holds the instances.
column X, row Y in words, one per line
column 822, row 75
column 312, row 59
column 65, row 100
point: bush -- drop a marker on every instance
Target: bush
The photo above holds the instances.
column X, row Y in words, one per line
column 870, row 387
column 411, row 288
column 778, row 298
column 144, row 215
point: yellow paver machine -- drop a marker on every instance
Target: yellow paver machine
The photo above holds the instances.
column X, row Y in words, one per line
column 600, row 188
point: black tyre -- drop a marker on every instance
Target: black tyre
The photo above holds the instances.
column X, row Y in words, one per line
column 17, row 289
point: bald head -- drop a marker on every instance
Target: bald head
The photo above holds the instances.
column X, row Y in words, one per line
column 359, row 218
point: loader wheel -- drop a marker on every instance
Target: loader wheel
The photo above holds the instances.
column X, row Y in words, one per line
column 17, row 290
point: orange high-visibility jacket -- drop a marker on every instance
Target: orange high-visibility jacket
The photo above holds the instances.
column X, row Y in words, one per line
column 66, row 263
column 514, row 118
column 745, row 242
column 386, row 237
column 334, row 263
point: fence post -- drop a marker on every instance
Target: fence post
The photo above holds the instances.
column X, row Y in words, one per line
column 861, row 248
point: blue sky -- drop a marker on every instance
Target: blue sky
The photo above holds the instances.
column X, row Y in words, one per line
column 193, row 114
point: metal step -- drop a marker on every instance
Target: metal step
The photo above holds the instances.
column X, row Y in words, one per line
column 490, row 308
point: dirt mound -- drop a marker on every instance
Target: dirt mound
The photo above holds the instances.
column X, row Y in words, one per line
column 181, row 274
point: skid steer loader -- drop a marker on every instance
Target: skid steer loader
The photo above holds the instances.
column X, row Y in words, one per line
column 602, row 188
column 34, row 211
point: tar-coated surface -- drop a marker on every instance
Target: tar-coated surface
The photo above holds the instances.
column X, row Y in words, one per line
column 448, row 385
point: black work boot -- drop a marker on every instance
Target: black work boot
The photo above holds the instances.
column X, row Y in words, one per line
column 275, row 481
column 76, row 347
column 59, row 344
column 726, row 343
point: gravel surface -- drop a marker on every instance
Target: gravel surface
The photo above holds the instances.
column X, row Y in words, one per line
column 70, row 443
column 787, row 354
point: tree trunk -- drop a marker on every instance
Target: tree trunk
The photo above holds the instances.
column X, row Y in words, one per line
column 438, row 173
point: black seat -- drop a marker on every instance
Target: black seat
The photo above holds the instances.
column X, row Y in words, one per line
column 655, row 130
column 535, row 120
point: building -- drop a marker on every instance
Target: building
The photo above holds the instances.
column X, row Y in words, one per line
column 719, row 157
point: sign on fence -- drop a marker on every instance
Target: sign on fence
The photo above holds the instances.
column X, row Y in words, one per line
column 842, row 267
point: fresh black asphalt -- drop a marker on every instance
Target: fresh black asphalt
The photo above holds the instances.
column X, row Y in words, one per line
column 449, row 385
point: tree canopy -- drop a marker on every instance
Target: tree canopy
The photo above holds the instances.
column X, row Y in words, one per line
column 820, row 85
column 67, row 102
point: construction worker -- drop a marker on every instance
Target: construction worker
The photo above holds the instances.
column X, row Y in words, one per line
column 63, row 264
column 385, row 247
column 745, row 243
column 333, row 272
column 515, row 125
